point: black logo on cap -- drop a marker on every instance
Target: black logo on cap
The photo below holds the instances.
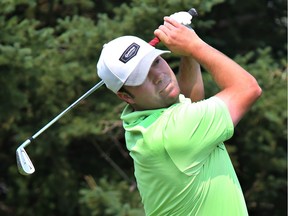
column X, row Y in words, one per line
column 129, row 53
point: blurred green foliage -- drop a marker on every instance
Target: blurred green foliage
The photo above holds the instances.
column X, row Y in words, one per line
column 48, row 55
column 109, row 199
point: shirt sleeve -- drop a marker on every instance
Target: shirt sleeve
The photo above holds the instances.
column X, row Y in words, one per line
column 194, row 130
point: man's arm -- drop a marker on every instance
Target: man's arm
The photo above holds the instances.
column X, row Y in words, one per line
column 239, row 89
column 190, row 79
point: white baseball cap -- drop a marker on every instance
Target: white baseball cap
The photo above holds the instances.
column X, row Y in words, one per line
column 126, row 61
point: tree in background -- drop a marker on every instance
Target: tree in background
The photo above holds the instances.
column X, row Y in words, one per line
column 48, row 55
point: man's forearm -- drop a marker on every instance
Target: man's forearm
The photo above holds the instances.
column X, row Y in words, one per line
column 190, row 79
column 239, row 89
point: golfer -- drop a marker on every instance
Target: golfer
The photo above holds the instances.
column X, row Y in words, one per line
column 173, row 134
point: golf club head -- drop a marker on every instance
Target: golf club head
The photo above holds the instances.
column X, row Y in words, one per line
column 24, row 163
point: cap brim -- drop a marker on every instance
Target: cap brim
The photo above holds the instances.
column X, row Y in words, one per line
column 139, row 74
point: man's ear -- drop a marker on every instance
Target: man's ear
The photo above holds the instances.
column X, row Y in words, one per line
column 125, row 97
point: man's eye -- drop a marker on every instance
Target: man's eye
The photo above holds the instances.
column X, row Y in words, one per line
column 156, row 61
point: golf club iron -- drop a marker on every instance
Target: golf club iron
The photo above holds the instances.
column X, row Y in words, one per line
column 25, row 166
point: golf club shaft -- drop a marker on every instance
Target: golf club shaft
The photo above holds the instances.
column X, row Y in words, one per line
column 153, row 42
column 28, row 141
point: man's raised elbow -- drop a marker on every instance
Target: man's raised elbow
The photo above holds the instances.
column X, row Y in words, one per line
column 259, row 91
column 256, row 90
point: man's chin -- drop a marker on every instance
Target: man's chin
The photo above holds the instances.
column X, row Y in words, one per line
column 173, row 98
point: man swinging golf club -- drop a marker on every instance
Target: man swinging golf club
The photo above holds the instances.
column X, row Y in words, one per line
column 174, row 135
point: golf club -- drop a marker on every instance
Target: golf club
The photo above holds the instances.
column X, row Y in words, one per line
column 25, row 166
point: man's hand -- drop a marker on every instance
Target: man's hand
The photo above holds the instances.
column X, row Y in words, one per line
column 177, row 37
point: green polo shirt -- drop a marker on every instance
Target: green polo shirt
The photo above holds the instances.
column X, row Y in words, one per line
column 181, row 165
